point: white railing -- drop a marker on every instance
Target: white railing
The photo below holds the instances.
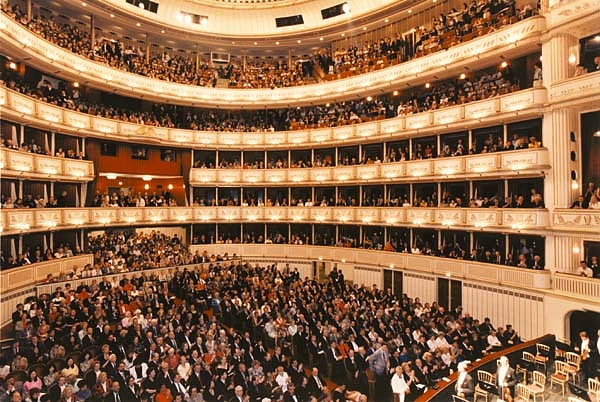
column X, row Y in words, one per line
column 26, row 220
column 577, row 220
column 16, row 163
column 15, row 36
column 501, row 163
column 577, row 285
column 515, row 106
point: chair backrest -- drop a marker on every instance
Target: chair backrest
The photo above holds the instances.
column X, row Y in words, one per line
column 542, row 349
column 561, row 367
column 485, row 377
column 573, row 359
column 594, row 386
column 522, row 391
column 528, row 357
column 539, row 378
column 456, row 398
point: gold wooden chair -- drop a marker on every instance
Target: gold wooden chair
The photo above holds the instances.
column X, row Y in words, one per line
column 538, row 385
column 542, row 355
column 560, row 375
column 594, row 389
column 522, row 393
column 485, row 384
column 574, row 364
column 526, row 364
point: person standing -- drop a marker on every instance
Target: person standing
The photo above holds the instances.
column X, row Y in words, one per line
column 399, row 386
column 505, row 376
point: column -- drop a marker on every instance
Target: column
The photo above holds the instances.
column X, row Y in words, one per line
column 92, row 31
column 83, row 147
column 555, row 52
column 53, row 143
column 29, row 10
column 21, row 135
column 147, row 48
column 560, row 190
column 563, row 253
column 20, row 189
column 20, row 244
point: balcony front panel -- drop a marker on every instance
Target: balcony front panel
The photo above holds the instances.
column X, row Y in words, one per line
column 252, row 176
column 321, row 174
column 131, row 215
column 368, row 215
column 419, row 168
column 585, row 88
column 386, row 130
column 485, row 217
column 573, row 284
column 482, row 163
column 368, row 172
column 299, row 175
column 448, row 116
column 420, row 216
column 519, row 161
column 229, row 176
column 577, row 220
column 276, row 176
column 448, row 166
column 23, row 43
column 252, row 214
column 20, row 164
column 344, row 173
column 478, row 110
column 534, row 221
column 525, row 218
column 450, row 217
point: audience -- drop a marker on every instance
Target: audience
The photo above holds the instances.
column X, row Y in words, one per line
column 458, row 26
column 225, row 329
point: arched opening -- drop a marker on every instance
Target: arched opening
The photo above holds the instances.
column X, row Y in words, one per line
column 582, row 320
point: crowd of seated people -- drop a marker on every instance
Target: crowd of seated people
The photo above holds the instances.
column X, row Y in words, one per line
column 223, row 330
column 475, row 19
column 590, row 199
column 34, row 148
column 182, row 69
column 444, row 31
column 154, row 199
column 328, row 115
column 33, row 255
column 38, row 201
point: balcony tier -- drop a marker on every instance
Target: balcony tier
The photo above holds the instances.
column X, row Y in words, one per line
column 520, row 105
column 527, row 162
column 33, row 166
column 512, row 41
column 512, row 220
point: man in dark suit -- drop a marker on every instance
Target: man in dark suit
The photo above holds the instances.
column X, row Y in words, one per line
column 505, row 376
column 316, row 384
column 131, row 391
column 115, row 393
column 290, row 394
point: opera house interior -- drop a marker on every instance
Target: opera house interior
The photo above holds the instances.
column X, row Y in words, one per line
column 299, row 200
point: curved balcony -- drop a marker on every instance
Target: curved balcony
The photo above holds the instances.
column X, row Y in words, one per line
column 516, row 106
column 501, row 164
column 16, row 221
column 33, row 166
column 22, row 43
column 582, row 89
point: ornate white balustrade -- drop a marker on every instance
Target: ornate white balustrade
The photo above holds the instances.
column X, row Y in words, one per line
column 577, row 220
column 33, row 166
column 488, row 165
column 28, row 220
column 584, row 88
column 18, row 39
column 519, row 105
